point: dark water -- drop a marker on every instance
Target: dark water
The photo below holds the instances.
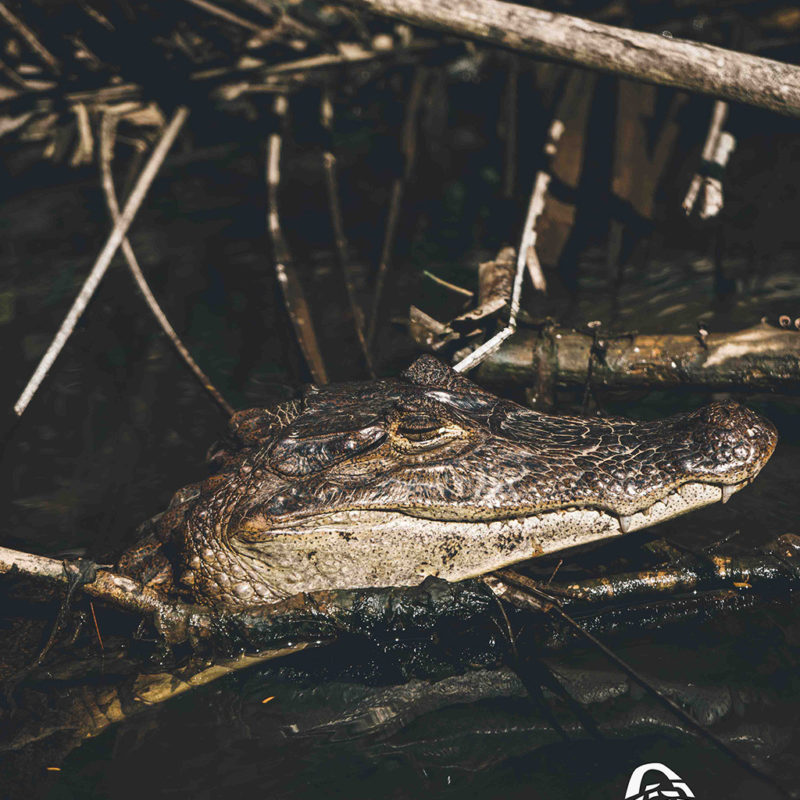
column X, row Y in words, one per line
column 119, row 426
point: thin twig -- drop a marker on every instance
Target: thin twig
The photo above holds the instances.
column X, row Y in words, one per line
column 342, row 253
column 112, row 587
column 228, row 16
column 25, row 33
column 409, row 146
column 291, row 287
column 447, row 285
column 526, row 256
column 107, row 131
column 527, row 248
column 114, row 240
column 96, row 626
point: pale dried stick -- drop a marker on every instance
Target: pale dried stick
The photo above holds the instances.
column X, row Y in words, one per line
column 107, row 131
column 409, row 145
column 30, row 38
column 291, row 287
column 713, row 200
column 718, row 117
column 228, row 16
column 113, row 242
column 447, row 285
column 332, row 183
column 527, row 249
column 526, row 256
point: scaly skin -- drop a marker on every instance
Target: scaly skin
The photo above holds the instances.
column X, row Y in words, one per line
column 384, row 483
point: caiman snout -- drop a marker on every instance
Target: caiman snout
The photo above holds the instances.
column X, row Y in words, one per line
column 731, row 443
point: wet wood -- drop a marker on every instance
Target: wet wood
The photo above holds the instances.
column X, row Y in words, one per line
column 84, row 710
column 761, row 357
column 648, row 57
column 777, row 568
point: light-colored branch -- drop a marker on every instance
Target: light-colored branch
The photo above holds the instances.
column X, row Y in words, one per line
column 29, row 37
column 228, row 16
column 526, row 256
column 113, row 242
column 662, row 60
column 527, row 248
column 116, row 589
column 719, row 115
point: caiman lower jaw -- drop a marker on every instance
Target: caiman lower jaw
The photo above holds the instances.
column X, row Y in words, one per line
column 367, row 548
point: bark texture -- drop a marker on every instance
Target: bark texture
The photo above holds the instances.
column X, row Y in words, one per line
column 761, row 357
column 649, row 57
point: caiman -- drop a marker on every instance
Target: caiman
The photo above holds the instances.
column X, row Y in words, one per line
column 388, row 482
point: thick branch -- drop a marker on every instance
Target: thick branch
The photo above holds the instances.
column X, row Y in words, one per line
column 643, row 56
column 761, row 357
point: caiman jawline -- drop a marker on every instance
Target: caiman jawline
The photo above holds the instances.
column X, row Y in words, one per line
column 682, row 499
column 379, row 547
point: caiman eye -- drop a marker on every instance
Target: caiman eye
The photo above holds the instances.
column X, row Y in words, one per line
column 422, row 431
column 417, row 434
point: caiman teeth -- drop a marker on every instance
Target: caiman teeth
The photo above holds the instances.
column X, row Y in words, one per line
column 727, row 491
column 625, row 522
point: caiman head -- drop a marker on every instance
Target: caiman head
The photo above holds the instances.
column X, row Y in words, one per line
column 386, row 483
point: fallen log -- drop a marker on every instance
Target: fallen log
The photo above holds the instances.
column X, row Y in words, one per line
column 761, row 357
column 649, row 57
